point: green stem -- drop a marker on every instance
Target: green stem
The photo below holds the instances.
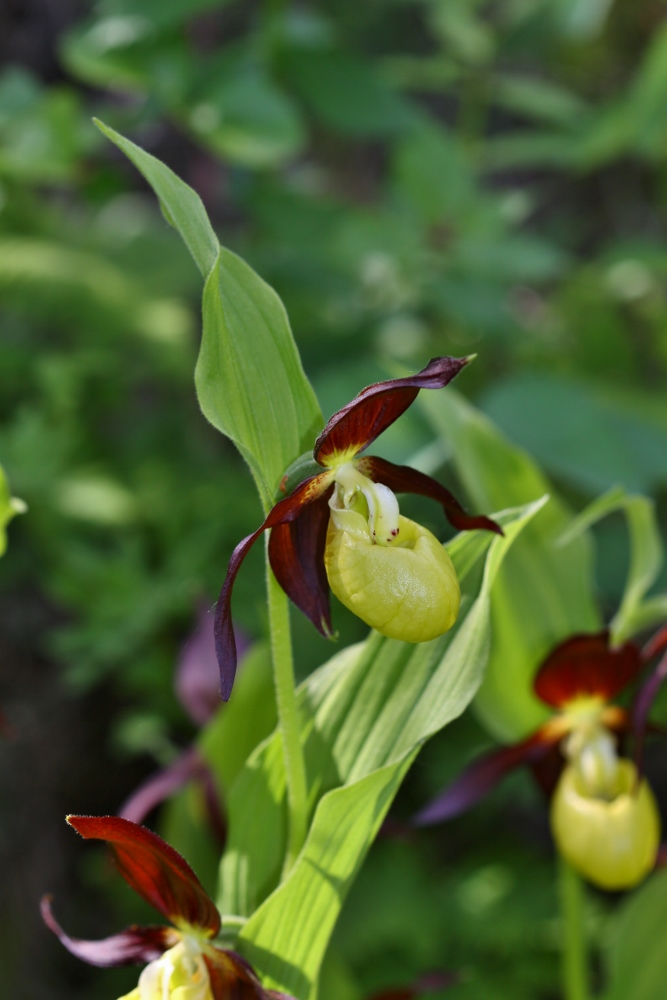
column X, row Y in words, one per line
column 575, row 962
column 288, row 718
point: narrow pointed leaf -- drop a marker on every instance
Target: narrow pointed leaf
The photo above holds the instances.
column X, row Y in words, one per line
column 646, row 556
column 153, row 869
column 182, row 207
column 249, row 379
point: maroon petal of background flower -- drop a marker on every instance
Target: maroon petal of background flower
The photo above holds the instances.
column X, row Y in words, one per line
column 190, row 766
column 232, row 978
column 154, row 870
column 376, row 407
column 429, row 983
column 285, row 510
column 586, row 665
column 483, row 774
column 197, row 681
column 132, row 946
column 403, row 479
column 296, row 553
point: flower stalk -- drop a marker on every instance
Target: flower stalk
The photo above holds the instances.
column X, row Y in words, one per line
column 575, row 955
column 288, row 718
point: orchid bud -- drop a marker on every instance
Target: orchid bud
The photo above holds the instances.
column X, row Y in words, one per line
column 613, row 840
column 389, row 571
column 179, row 974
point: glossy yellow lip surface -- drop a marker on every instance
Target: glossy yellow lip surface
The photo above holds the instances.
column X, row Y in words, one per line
column 407, row 590
column 612, row 842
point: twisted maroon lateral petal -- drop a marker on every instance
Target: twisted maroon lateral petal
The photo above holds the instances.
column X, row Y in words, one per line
column 483, row 774
column 403, row 479
column 284, row 511
column 232, row 978
column 656, row 644
column 162, row 785
column 432, row 982
column 296, row 553
column 376, row 407
column 586, row 665
column 154, row 870
column 642, row 706
column 132, row 946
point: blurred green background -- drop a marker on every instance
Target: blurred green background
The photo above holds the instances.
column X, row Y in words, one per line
column 414, row 177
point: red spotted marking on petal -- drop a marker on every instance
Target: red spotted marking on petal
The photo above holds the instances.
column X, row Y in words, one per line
column 357, row 425
column 483, row 774
column 284, row 511
column 403, row 479
column 296, row 553
column 135, row 945
column 154, row 870
column 586, row 666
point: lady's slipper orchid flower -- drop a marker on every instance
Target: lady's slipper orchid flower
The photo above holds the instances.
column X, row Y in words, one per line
column 183, row 963
column 341, row 527
column 603, row 814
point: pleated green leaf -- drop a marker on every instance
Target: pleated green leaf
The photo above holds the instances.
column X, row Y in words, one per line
column 250, row 382
column 544, row 592
column 365, row 715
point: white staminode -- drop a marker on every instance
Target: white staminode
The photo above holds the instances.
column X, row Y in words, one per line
column 381, row 504
column 179, row 974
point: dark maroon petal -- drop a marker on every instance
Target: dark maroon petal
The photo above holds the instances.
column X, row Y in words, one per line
column 190, row 766
column 482, row 775
column 353, row 428
column 642, row 706
column 134, row 945
column 586, row 665
column 403, row 479
column 154, row 870
column 296, row 553
column 430, row 983
column 284, row 511
column 655, row 645
column 232, row 978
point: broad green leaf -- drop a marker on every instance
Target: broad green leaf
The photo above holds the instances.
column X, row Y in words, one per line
column 9, row 507
column 365, row 715
column 250, row 382
column 637, row 954
column 646, row 558
column 543, row 593
column 182, row 207
column 578, row 434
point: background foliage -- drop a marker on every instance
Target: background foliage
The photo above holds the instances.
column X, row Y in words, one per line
column 413, row 177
